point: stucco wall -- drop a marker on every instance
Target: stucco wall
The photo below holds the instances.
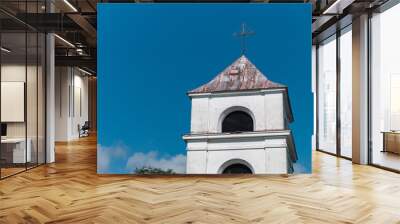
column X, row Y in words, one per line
column 263, row 154
column 267, row 111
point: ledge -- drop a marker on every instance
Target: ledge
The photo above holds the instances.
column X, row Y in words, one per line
column 254, row 134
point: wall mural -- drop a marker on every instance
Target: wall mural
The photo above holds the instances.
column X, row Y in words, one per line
column 204, row 89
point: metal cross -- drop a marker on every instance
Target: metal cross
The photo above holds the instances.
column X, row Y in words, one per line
column 243, row 34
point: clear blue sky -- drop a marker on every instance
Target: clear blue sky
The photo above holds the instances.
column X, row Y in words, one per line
column 150, row 55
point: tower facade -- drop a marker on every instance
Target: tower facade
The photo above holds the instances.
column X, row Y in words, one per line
column 240, row 124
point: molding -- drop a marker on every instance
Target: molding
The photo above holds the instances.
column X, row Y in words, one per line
column 237, row 92
column 207, row 136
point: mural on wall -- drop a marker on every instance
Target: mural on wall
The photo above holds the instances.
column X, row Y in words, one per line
column 240, row 124
column 158, row 111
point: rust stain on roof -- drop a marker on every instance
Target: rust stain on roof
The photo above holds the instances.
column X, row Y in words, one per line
column 240, row 75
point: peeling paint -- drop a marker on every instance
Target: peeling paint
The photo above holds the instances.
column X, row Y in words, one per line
column 240, row 75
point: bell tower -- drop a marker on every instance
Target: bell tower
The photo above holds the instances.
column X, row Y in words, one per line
column 240, row 124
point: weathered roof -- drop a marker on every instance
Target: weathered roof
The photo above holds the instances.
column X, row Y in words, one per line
column 240, row 75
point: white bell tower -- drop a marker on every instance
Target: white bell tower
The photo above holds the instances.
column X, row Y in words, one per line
column 240, row 124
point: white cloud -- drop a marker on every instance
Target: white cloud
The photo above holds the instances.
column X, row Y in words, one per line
column 118, row 155
column 105, row 155
column 299, row 168
column 151, row 159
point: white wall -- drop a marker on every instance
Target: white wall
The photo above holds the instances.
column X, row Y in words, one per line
column 33, row 125
column 71, row 86
column 62, row 81
column 12, row 73
column 81, row 84
column 264, row 154
column 17, row 73
column 266, row 109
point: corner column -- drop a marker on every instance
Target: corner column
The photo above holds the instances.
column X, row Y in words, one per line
column 50, row 92
column 360, row 61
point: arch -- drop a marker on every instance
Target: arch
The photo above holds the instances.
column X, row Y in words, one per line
column 237, row 168
column 237, row 121
column 236, row 163
column 246, row 117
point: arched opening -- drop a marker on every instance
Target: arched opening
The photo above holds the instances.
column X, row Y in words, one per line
column 237, row 168
column 237, row 121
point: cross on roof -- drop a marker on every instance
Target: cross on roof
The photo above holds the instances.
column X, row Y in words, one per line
column 243, row 34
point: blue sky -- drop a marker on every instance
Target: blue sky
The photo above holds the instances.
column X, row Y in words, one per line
column 150, row 55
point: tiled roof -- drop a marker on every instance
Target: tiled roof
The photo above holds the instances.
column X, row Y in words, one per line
column 240, row 75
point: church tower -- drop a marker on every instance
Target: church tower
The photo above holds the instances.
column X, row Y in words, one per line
column 240, row 124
